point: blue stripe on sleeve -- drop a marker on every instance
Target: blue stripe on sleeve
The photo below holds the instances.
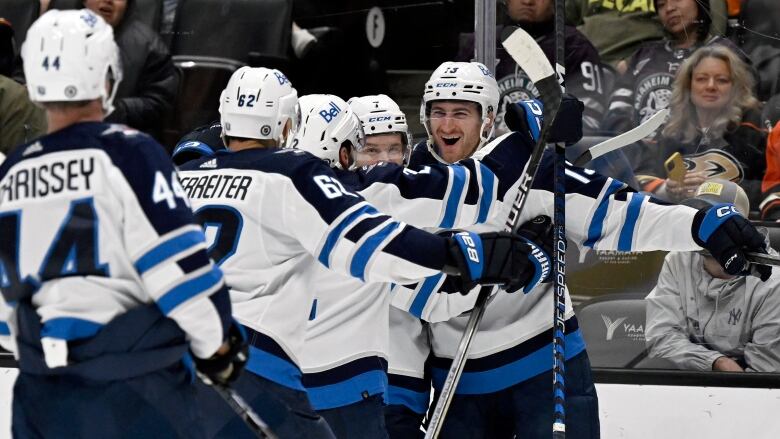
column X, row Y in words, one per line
column 632, row 215
column 335, row 233
column 4, row 329
column 358, row 266
column 597, row 223
column 421, row 298
column 488, row 182
column 167, row 249
column 453, row 201
column 189, row 289
column 70, row 328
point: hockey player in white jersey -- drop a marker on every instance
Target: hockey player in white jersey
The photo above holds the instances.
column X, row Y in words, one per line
column 387, row 133
column 108, row 292
column 504, row 390
column 275, row 213
column 345, row 375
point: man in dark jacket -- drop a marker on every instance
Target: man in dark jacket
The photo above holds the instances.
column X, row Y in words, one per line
column 148, row 88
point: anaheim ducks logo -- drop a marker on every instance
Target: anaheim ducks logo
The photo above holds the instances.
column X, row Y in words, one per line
column 652, row 95
column 717, row 164
column 513, row 88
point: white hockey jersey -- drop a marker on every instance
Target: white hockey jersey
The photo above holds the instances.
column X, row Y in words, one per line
column 341, row 367
column 514, row 339
column 94, row 224
column 274, row 218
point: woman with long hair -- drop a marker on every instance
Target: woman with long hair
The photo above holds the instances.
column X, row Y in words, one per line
column 715, row 125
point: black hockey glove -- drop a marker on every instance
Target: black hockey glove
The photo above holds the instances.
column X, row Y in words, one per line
column 497, row 258
column 526, row 116
column 726, row 234
column 223, row 369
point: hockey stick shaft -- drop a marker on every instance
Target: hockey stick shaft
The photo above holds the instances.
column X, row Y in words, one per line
column 632, row 136
column 559, row 251
column 527, row 54
column 252, row 420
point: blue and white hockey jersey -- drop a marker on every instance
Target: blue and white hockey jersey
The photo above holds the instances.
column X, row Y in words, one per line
column 341, row 368
column 274, row 219
column 95, row 225
column 514, row 340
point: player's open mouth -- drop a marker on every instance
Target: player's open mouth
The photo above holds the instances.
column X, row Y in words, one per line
column 449, row 141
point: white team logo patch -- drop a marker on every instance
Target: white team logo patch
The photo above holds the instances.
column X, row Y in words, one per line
column 211, row 164
column 35, row 147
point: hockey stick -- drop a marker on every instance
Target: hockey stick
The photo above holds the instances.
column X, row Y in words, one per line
column 252, row 420
column 559, row 251
column 526, row 53
column 634, row 135
column 763, row 259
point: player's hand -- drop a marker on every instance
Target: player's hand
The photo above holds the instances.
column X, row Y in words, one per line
column 498, row 258
column 227, row 363
column 526, row 116
column 727, row 235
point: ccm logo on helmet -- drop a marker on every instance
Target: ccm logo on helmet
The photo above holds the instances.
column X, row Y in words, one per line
column 379, row 119
column 330, row 113
column 446, row 84
column 726, row 210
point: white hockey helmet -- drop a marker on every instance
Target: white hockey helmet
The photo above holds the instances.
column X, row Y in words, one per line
column 69, row 55
column 326, row 123
column 379, row 114
column 257, row 103
column 462, row 81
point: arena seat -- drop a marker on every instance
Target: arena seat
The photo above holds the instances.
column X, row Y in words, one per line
column 21, row 14
column 202, row 79
column 246, row 31
column 614, row 330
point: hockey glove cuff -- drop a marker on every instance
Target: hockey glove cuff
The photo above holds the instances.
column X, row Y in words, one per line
column 526, row 116
column 726, row 234
column 538, row 233
column 225, row 368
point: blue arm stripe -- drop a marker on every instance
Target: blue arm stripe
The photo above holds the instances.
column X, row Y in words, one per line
column 421, row 298
column 335, row 233
column 4, row 329
column 189, row 289
column 70, row 328
column 597, row 223
column 167, row 249
column 453, row 201
column 488, row 183
column 359, row 260
column 632, row 216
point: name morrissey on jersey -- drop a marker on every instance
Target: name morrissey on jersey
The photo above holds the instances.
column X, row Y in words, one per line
column 216, row 186
column 50, row 178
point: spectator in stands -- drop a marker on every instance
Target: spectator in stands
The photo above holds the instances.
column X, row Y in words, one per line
column 20, row 119
column 150, row 82
column 701, row 318
column 714, row 123
column 759, row 36
column 617, row 29
column 646, row 86
column 770, row 206
column 584, row 70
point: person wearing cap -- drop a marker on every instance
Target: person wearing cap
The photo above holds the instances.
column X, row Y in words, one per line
column 701, row 318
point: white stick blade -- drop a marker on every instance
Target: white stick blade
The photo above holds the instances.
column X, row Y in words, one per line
column 526, row 52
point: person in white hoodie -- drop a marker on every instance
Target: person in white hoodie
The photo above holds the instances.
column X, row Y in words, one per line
column 701, row 318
